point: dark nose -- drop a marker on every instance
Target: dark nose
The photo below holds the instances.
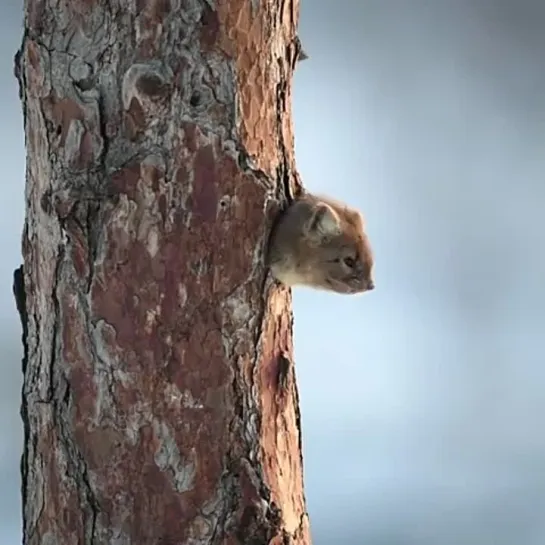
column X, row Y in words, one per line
column 370, row 285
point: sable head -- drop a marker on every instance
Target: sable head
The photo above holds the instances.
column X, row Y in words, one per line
column 339, row 250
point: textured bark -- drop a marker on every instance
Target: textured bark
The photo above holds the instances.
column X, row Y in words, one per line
column 159, row 400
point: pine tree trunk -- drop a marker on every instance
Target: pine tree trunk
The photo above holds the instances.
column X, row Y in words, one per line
column 159, row 400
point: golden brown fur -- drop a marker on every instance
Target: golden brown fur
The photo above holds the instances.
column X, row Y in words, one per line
column 321, row 243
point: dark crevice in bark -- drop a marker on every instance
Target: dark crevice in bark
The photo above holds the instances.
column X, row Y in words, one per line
column 103, row 131
column 284, row 171
column 20, row 300
column 53, row 356
column 298, row 422
column 283, row 376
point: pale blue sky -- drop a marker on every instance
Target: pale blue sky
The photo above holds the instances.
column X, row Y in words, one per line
column 422, row 401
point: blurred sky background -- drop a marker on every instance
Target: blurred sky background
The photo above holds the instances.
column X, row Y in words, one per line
column 423, row 402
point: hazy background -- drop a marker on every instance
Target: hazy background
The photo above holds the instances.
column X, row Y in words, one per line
column 423, row 402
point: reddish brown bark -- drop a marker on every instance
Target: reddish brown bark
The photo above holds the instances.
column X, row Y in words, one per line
column 159, row 402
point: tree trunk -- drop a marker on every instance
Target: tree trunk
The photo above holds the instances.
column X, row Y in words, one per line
column 159, row 400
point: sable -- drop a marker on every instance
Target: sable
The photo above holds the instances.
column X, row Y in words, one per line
column 321, row 243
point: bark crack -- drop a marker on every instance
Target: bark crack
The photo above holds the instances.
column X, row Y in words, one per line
column 20, row 300
column 61, row 399
column 284, row 171
column 103, row 131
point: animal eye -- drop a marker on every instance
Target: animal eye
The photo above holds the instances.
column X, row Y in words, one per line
column 349, row 262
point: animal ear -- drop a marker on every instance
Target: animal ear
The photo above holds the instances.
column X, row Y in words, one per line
column 324, row 222
column 356, row 217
